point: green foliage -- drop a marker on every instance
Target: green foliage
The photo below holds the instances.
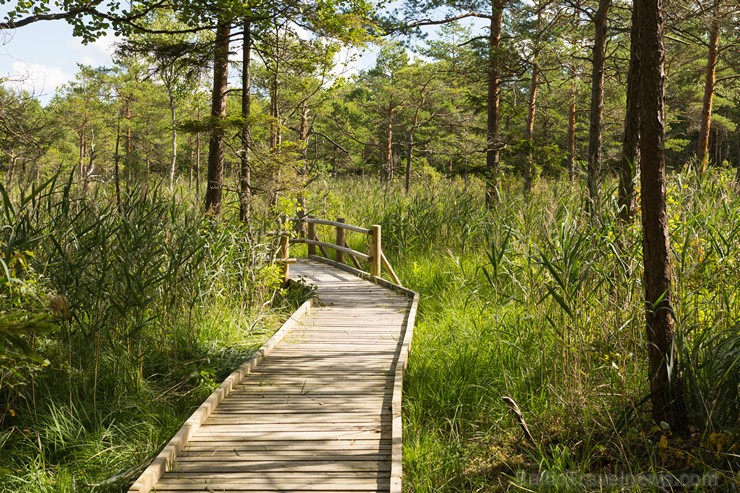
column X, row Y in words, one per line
column 152, row 306
column 538, row 302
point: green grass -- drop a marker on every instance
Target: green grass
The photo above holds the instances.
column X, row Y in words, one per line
column 533, row 300
column 138, row 312
column 539, row 302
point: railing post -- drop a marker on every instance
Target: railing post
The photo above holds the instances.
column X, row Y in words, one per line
column 340, row 240
column 311, row 236
column 375, row 250
column 285, row 254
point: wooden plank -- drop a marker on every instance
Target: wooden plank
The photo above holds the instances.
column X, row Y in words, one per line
column 322, row 413
column 322, row 244
column 237, row 465
column 166, row 457
column 284, row 455
column 277, row 482
column 221, row 435
column 348, row 227
column 381, row 444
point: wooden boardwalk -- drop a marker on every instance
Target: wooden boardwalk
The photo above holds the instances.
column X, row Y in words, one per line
column 321, row 411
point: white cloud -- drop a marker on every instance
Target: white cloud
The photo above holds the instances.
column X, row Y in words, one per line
column 39, row 80
column 96, row 54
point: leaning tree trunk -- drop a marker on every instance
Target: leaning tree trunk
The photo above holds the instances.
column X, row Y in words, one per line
column 245, row 181
column 630, row 150
column 706, row 111
column 492, row 136
column 664, row 371
column 218, row 112
column 597, row 101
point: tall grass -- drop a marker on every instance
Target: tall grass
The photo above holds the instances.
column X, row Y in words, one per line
column 145, row 305
column 539, row 302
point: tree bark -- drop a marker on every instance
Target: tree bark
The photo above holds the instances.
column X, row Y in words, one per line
column 630, row 145
column 388, row 149
column 218, row 112
column 83, row 170
column 245, row 183
column 597, row 100
column 492, row 136
column 173, row 136
column 410, row 150
column 572, row 125
column 11, row 171
column 664, row 371
column 711, row 77
column 274, row 110
column 116, row 160
column 127, row 117
column 531, row 112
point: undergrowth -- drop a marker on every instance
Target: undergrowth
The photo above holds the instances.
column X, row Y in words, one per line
column 116, row 321
column 541, row 303
column 137, row 311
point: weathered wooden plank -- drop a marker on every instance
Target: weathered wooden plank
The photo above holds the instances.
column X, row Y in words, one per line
column 220, row 435
column 223, row 453
column 237, row 465
column 322, row 412
column 277, row 482
column 167, row 456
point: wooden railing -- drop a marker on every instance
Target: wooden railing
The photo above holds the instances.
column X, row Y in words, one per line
column 306, row 227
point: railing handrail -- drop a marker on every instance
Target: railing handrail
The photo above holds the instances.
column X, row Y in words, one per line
column 374, row 257
column 336, row 224
column 348, row 251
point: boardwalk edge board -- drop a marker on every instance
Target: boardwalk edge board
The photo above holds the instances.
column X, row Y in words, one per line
column 397, row 423
column 163, row 462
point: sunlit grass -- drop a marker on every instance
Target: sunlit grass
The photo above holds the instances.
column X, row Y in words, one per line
column 537, row 301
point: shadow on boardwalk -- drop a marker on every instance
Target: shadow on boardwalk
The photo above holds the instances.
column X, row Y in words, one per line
column 319, row 412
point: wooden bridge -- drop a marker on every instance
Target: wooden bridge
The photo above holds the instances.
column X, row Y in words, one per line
column 318, row 408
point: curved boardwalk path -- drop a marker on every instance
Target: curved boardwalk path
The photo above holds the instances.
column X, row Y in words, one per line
column 320, row 412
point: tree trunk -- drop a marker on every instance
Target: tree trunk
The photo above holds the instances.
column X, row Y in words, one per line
column 572, row 125
column 274, row 113
column 191, row 168
column 492, row 135
column 410, row 150
column 630, row 144
column 83, row 148
column 116, row 160
column 11, row 171
column 597, row 100
column 303, row 132
column 218, row 112
column 245, row 183
column 737, row 168
column 127, row 117
column 664, row 372
column 388, row 149
column 531, row 112
column 173, row 132
column 706, row 110
column 197, row 162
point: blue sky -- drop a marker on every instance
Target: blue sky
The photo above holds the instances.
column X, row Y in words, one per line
column 41, row 57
